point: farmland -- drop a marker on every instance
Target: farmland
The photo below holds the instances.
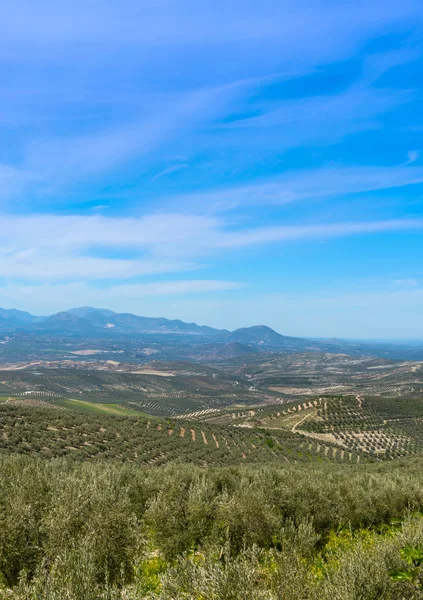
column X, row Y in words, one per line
column 176, row 388
column 141, row 480
column 188, row 390
column 124, row 436
column 372, row 428
column 342, row 429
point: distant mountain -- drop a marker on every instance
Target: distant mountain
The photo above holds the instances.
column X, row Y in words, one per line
column 265, row 338
column 129, row 323
column 176, row 339
column 99, row 320
column 258, row 334
column 66, row 323
column 13, row 315
column 86, row 311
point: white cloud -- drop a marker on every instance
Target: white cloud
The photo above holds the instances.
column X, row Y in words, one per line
column 170, row 169
column 412, row 155
column 55, row 161
column 64, row 247
column 35, row 265
column 162, row 234
column 312, row 232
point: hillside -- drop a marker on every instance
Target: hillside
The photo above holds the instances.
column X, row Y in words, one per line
column 55, row 432
column 343, row 429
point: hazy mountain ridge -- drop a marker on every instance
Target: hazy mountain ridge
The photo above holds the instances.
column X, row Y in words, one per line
column 100, row 318
column 166, row 338
column 12, row 315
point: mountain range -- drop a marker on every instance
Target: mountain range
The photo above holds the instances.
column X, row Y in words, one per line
column 89, row 323
column 100, row 321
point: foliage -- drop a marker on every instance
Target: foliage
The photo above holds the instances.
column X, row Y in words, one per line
column 413, row 556
column 105, row 530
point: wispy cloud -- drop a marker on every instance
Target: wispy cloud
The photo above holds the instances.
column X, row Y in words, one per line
column 308, row 119
column 301, row 184
column 54, row 162
column 413, row 155
column 170, row 169
column 304, row 233
column 135, row 25
column 107, row 100
column 39, row 265
column 67, row 138
column 63, row 247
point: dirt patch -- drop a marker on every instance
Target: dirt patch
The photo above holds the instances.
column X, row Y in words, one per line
column 153, row 372
column 18, row 366
column 295, row 426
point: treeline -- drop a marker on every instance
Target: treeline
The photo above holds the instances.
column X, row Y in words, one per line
column 99, row 530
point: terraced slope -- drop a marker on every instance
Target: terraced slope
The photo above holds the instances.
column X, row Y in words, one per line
column 53, row 432
column 372, row 428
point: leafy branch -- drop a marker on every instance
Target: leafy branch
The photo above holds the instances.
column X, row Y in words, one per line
column 413, row 572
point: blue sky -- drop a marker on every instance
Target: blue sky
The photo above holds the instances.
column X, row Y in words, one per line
column 231, row 163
